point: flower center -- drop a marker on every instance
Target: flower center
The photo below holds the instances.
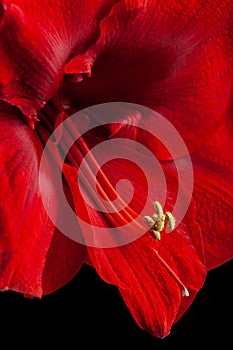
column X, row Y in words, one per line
column 52, row 116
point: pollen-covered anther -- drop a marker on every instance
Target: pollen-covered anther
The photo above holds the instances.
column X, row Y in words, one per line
column 159, row 223
column 170, row 220
column 156, row 222
column 156, row 234
column 149, row 221
column 158, row 209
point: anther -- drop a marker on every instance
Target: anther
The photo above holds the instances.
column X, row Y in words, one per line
column 156, row 222
column 158, row 209
column 156, row 234
column 170, row 220
column 149, row 221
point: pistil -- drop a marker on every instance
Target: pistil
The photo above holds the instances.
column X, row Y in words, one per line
column 184, row 290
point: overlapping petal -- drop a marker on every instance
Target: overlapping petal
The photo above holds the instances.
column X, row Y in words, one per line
column 139, row 269
column 213, row 192
column 26, row 231
column 181, row 66
column 37, row 40
column 33, row 259
column 64, row 259
column 172, row 57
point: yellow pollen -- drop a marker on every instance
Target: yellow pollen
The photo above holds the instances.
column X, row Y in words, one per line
column 170, row 220
column 156, row 234
column 158, row 209
column 156, row 222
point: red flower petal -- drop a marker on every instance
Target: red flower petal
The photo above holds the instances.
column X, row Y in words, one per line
column 213, row 192
column 26, row 231
column 34, row 259
column 65, row 256
column 150, row 290
column 37, row 39
column 63, row 261
column 172, row 57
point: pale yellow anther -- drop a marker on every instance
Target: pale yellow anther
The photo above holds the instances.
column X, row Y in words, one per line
column 149, row 221
column 158, row 209
column 156, row 234
column 155, row 217
column 156, row 222
column 159, row 224
column 170, row 220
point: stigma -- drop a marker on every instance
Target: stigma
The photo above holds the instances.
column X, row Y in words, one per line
column 157, row 221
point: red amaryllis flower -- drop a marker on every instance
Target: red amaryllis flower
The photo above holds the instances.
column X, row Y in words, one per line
column 174, row 58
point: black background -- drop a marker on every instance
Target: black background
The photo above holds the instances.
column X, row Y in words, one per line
column 87, row 313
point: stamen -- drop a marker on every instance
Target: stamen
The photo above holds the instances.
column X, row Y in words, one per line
column 156, row 234
column 170, row 220
column 149, row 221
column 158, row 209
column 156, row 222
column 155, row 217
column 58, row 131
column 159, row 225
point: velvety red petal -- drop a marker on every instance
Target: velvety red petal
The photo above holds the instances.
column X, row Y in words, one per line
column 213, row 192
column 150, row 290
column 35, row 258
column 37, row 40
column 26, row 231
column 172, row 57
column 64, row 259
